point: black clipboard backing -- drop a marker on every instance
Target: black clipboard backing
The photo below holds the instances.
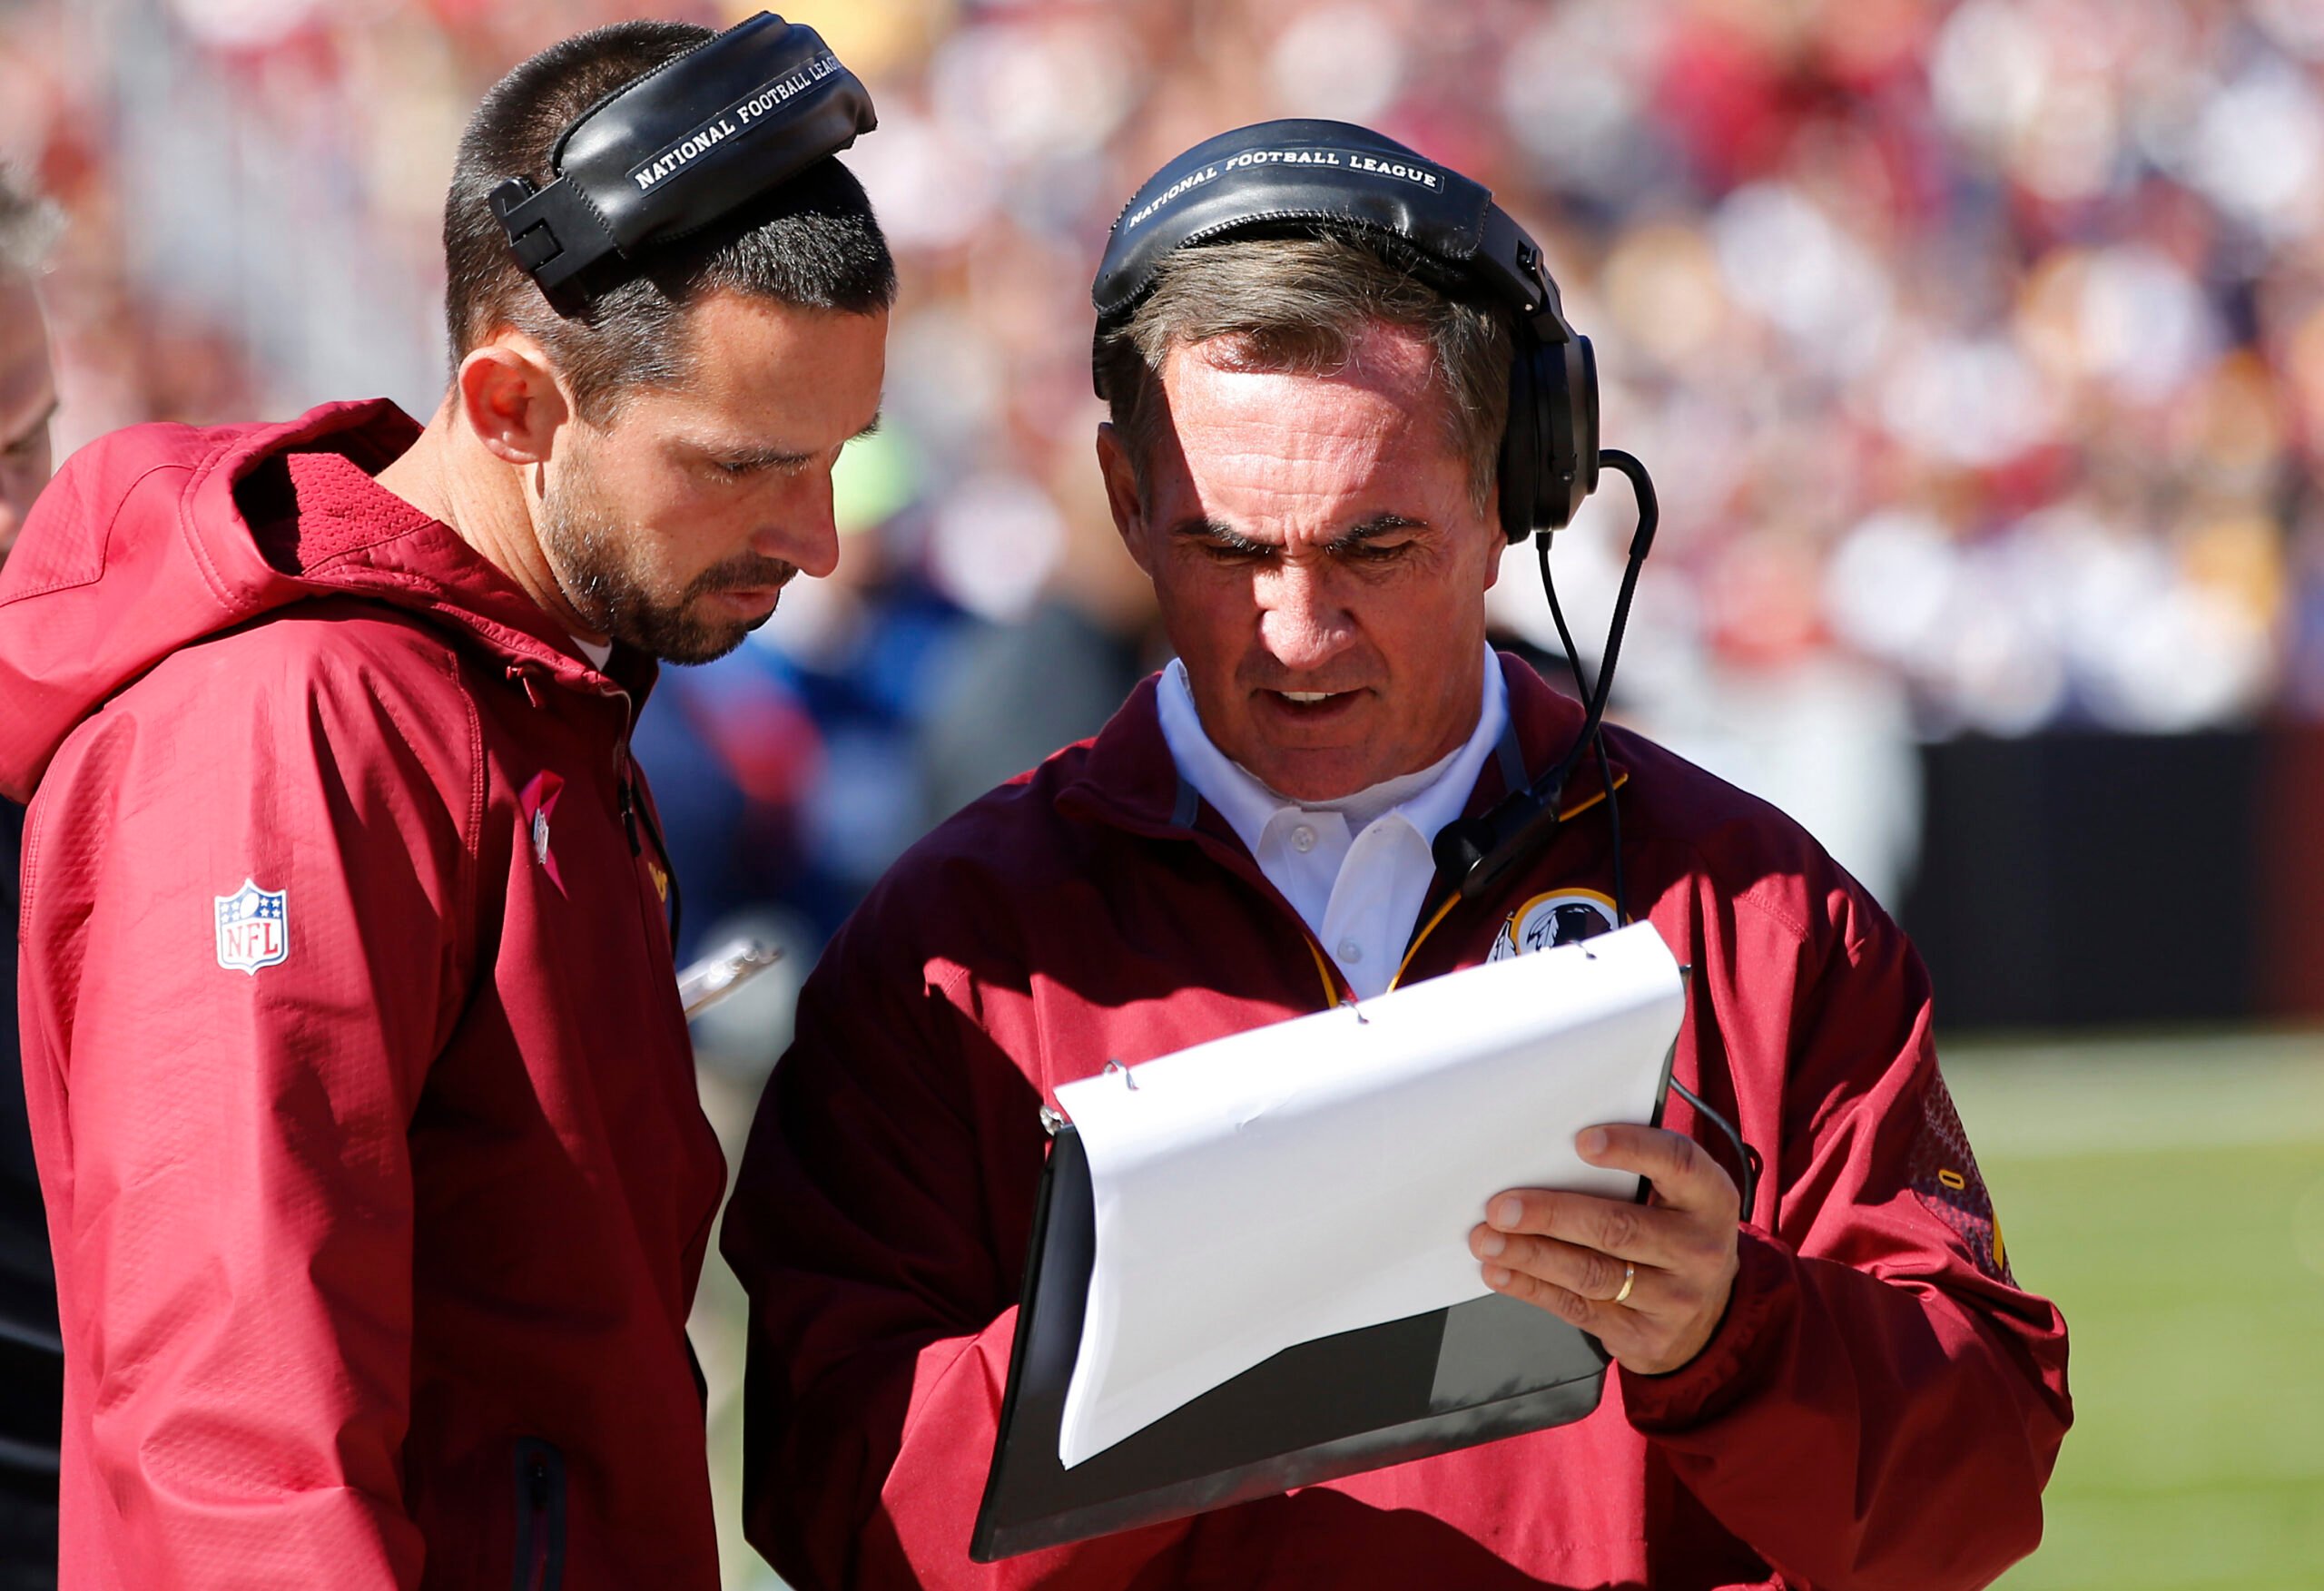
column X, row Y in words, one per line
column 1364, row 1400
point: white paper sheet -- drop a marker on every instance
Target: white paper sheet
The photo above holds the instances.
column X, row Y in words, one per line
column 1322, row 1174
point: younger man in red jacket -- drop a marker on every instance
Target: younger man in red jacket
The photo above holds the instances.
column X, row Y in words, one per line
column 1840, row 1386
column 364, row 1105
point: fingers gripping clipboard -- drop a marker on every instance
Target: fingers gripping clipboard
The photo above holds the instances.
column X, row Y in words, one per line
column 1430, row 1383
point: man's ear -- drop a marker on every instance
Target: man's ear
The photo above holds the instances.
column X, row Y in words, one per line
column 511, row 398
column 1123, row 496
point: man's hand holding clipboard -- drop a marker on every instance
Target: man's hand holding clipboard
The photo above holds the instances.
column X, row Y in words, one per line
column 1650, row 1282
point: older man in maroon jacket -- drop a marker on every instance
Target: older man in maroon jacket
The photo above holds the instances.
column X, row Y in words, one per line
column 1840, row 1386
column 364, row 1104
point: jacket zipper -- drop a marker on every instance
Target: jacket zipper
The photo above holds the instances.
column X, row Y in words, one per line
column 622, row 763
column 638, row 824
column 1336, row 991
column 629, row 813
column 1412, row 949
column 540, row 1515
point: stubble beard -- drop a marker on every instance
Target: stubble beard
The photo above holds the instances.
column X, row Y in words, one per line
column 595, row 565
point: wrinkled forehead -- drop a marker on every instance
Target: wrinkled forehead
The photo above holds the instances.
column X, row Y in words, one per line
column 1382, row 355
column 1378, row 404
column 27, row 385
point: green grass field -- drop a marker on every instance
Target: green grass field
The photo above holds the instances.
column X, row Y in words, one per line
column 2169, row 1194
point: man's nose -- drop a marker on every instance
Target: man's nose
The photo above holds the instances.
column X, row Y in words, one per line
column 1303, row 620
column 804, row 532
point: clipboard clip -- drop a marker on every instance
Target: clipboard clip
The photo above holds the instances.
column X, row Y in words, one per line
column 1115, row 1068
column 719, row 974
column 1052, row 1120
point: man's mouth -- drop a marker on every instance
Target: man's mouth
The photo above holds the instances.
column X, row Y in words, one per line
column 758, row 578
column 750, row 600
column 1313, row 706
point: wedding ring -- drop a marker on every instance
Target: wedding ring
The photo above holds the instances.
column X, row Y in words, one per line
column 1630, row 1275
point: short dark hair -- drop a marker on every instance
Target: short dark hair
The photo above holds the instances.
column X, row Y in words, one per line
column 813, row 242
column 1299, row 304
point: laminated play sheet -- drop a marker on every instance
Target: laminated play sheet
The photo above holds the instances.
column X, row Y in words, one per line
column 1321, row 1175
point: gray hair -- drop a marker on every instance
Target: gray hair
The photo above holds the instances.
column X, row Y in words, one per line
column 29, row 225
column 1300, row 305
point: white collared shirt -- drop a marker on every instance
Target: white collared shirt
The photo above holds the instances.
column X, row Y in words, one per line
column 1355, row 869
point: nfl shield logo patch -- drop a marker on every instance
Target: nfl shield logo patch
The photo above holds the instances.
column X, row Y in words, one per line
column 253, row 927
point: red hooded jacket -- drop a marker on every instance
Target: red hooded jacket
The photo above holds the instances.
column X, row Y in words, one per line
column 1879, row 1407
column 364, row 1106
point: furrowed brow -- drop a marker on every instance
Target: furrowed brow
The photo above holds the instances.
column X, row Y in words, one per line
column 1371, row 529
column 1219, row 534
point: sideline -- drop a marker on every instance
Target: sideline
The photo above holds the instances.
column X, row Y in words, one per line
column 2051, row 1098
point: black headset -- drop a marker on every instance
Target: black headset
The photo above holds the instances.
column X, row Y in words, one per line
column 1306, row 179
column 691, row 141
column 1300, row 179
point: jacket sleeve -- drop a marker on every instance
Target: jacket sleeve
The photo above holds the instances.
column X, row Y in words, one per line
column 879, row 1223
column 225, row 1140
column 1881, row 1406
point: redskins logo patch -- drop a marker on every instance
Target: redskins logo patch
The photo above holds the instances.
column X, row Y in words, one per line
column 1564, row 917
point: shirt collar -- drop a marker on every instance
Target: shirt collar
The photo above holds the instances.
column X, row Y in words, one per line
column 1248, row 806
column 1125, row 776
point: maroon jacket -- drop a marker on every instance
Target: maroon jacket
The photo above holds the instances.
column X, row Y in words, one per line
column 378, row 1190
column 1880, row 1407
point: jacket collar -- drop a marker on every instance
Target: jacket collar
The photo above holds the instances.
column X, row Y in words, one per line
column 111, row 576
column 407, row 558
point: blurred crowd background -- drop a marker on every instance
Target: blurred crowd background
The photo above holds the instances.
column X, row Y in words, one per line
column 1977, row 349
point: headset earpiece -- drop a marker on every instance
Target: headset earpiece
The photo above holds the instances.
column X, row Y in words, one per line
column 1523, row 439
column 1573, row 433
column 1549, row 453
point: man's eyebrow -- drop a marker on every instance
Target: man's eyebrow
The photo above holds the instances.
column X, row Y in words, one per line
column 750, row 457
column 743, row 455
column 1225, row 536
column 1218, row 534
column 1379, row 525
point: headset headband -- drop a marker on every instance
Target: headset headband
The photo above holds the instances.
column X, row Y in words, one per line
column 669, row 154
column 1291, row 179
column 1306, row 178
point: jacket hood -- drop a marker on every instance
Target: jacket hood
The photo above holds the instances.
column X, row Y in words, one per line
column 155, row 537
